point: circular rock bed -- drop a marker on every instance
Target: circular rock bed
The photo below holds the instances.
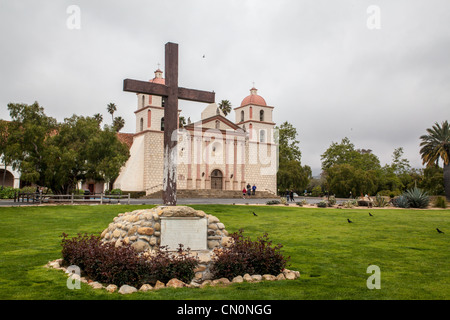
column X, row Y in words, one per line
column 174, row 283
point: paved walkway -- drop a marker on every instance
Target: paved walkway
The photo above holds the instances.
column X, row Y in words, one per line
column 182, row 201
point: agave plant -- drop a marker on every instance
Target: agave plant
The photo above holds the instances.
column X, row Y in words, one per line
column 380, row 201
column 417, row 198
column 401, row 202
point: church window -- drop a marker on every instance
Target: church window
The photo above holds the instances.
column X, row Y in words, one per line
column 242, row 115
column 251, row 112
column 163, row 102
column 143, row 101
column 262, row 136
column 141, row 124
column 217, row 124
column 261, row 115
column 162, row 124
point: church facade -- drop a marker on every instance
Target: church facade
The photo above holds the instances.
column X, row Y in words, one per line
column 213, row 153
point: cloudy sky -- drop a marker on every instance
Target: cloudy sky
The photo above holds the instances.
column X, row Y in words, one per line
column 337, row 68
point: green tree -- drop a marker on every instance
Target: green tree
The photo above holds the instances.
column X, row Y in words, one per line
column 4, row 152
column 345, row 178
column 291, row 174
column 58, row 155
column 349, row 169
column 397, row 175
column 432, row 180
column 225, row 106
column 436, row 145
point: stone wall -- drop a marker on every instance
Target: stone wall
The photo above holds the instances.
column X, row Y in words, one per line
column 142, row 230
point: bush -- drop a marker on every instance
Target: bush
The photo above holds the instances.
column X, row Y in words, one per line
column 349, row 203
column 322, row 204
column 247, row 256
column 106, row 263
column 400, row 202
column 270, row 202
column 439, row 202
column 302, row 203
column 417, row 198
column 7, row 192
column 116, row 191
column 331, row 200
column 380, row 201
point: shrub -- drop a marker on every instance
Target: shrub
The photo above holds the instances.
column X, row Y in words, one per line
column 302, row 203
column 247, row 256
column 28, row 189
column 439, row 202
column 331, row 201
column 115, row 191
column 270, row 202
column 401, row 202
column 380, row 201
column 106, row 263
column 322, row 204
column 348, row 204
column 7, row 192
column 417, row 198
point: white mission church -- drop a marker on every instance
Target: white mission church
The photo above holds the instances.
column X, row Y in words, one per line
column 213, row 153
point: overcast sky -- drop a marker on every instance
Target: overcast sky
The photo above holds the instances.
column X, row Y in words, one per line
column 321, row 64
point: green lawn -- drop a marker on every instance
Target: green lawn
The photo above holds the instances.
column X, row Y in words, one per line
column 331, row 254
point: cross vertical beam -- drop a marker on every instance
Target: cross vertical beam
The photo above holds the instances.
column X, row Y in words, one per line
column 170, row 125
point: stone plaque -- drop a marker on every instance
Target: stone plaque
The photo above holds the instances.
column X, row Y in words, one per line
column 191, row 232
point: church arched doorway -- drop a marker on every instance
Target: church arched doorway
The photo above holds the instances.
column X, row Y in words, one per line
column 7, row 177
column 216, row 179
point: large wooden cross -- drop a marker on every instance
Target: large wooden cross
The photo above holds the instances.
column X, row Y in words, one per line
column 172, row 93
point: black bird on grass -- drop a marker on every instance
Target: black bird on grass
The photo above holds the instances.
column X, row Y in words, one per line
column 439, row 231
column 254, row 214
column 349, row 221
column 370, row 214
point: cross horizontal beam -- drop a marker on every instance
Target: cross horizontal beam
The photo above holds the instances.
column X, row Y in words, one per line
column 157, row 89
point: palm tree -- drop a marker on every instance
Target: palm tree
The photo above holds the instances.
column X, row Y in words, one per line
column 118, row 123
column 436, row 145
column 99, row 118
column 225, row 106
column 111, row 109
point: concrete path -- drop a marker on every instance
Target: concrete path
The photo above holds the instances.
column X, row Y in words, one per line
column 182, row 201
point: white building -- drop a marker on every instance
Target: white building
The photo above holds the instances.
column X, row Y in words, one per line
column 213, row 153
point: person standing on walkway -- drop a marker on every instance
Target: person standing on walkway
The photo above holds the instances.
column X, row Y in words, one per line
column 291, row 195
column 249, row 190
column 244, row 192
column 253, row 189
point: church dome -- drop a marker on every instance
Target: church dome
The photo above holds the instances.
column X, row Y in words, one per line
column 158, row 77
column 253, row 98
